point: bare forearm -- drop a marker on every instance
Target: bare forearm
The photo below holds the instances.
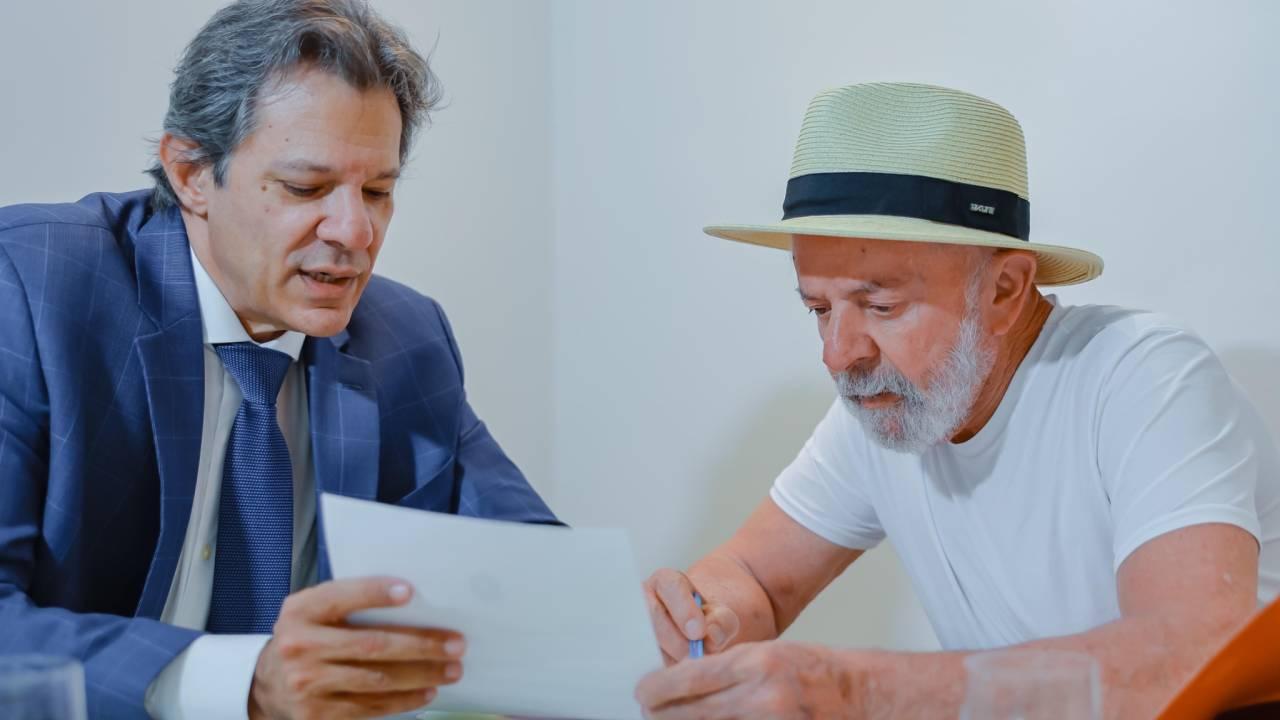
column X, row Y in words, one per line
column 1143, row 660
column 1181, row 595
column 728, row 581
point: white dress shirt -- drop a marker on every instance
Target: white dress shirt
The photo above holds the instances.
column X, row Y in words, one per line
column 211, row 678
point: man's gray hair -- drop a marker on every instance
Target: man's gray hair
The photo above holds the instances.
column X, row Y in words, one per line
column 249, row 44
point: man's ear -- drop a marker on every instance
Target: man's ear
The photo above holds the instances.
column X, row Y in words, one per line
column 1015, row 275
column 191, row 181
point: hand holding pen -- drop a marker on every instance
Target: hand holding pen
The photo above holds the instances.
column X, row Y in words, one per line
column 686, row 621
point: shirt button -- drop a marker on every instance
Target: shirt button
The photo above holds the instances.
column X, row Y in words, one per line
column 206, row 552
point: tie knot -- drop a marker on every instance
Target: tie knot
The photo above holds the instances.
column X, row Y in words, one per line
column 257, row 370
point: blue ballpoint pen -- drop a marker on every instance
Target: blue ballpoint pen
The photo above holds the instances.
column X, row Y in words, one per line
column 695, row 646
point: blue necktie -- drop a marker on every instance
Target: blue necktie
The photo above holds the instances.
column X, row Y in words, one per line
column 255, row 515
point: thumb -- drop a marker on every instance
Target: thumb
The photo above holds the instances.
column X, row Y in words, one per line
column 722, row 627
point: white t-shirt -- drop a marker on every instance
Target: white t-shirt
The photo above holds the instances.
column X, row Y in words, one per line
column 1118, row 426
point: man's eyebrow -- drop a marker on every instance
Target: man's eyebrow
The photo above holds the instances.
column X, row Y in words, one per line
column 862, row 288
column 319, row 169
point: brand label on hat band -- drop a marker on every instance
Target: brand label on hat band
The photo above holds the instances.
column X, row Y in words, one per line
column 927, row 198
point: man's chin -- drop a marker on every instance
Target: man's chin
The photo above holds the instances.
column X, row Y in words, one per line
column 897, row 442
column 885, row 427
column 321, row 322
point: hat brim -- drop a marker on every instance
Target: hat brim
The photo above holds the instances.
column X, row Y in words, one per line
column 1057, row 265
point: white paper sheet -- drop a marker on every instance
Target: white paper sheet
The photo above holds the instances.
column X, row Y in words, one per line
column 554, row 618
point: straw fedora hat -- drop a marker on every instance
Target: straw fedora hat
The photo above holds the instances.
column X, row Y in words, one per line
column 917, row 163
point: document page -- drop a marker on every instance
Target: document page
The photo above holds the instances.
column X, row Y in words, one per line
column 554, row 618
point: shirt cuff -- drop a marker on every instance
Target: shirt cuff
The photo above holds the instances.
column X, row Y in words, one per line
column 209, row 680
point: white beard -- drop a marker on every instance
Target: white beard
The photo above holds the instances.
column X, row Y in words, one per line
column 922, row 419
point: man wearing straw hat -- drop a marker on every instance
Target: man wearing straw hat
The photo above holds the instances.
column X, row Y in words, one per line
column 1059, row 478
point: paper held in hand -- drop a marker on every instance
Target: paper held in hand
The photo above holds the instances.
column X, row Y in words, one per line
column 554, row 618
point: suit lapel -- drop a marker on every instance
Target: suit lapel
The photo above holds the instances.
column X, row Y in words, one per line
column 172, row 362
column 345, row 438
column 341, row 394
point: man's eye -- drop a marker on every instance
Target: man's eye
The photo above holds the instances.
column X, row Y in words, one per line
column 378, row 194
column 300, row 190
column 880, row 309
column 819, row 311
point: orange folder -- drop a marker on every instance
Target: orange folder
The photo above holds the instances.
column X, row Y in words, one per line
column 1244, row 673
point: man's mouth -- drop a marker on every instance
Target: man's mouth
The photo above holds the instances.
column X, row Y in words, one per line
column 329, row 284
column 332, row 277
column 879, row 400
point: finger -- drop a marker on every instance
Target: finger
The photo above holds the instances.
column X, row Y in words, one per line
column 722, row 627
column 676, row 592
column 737, row 701
column 333, row 601
column 375, row 644
column 671, row 640
column 685, row 681
column 376, row 706
column 376, row 678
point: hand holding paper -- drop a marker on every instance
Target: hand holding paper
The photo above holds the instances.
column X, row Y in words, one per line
column 554, row 620
column 314, row 665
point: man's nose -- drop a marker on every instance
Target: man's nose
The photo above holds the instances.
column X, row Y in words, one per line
column 846, row 346
column 347, row 221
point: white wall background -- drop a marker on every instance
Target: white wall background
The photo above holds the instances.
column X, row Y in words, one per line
column 645, row 375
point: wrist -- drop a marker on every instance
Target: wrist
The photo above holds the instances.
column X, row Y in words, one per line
column 256, row 711
column 256, row 707
column 868, row 676
column 726, row 580
column 914, row 684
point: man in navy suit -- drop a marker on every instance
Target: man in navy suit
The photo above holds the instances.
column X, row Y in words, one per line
column 184, row 369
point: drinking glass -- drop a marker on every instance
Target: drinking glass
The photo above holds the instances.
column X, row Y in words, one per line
column 1032, row 685
column 41, row 687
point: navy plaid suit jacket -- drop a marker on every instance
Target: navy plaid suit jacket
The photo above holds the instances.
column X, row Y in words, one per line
column 101, row 411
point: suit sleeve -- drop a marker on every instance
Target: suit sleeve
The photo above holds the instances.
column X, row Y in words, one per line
column 120, row 655
column 489, row 483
